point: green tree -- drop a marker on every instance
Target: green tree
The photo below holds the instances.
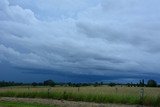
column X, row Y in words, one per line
column 34, row 84
column 152, row 83
column 112, row 84
column 49, row 83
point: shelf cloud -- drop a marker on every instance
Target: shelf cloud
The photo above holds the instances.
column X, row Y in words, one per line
column 86, row 37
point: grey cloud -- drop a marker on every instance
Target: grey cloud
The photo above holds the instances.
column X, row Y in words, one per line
column 55, row 10
column 16, row 13
column 103, row 31
column 103, row 38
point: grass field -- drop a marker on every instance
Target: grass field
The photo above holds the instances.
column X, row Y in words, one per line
column 22, row 104
column 102, row 94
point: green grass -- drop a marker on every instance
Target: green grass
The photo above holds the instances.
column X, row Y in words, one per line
column 124, row 95
column 22, row 104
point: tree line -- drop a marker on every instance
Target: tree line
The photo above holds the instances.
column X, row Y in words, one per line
column 141, row 83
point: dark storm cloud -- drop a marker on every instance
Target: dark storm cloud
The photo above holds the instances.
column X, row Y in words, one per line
column 96, row 38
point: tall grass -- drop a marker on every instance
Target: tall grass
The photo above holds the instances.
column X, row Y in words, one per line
column 89, row 94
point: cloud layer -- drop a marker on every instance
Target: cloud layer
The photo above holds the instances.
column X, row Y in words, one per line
column 108, row 37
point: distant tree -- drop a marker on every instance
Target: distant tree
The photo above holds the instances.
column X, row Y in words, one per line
column 34, row 84
column 128, row 84
column 152, row 83
column 101, row 83
column 69, row 84
column 40, row 84
column 141, row 83
column 112, row 84
column 49, row 83
column 95, row 84
column 131, row 84
column 77, row 85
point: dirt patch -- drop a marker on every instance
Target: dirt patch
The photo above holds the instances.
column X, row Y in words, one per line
column 63, row 103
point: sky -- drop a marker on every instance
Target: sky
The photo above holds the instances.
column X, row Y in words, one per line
column 79, row 40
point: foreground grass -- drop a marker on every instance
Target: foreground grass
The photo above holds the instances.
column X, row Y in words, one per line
column 21, row 104
column 89, row 94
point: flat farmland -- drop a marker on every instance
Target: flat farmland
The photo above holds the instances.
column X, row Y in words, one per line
column 102, row 94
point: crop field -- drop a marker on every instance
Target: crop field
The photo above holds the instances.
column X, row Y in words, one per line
column 102, row 94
